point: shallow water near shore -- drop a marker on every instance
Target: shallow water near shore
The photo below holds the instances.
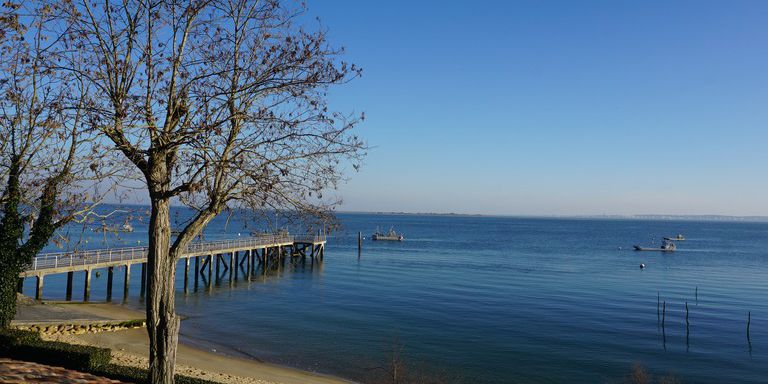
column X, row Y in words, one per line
column 495, row 300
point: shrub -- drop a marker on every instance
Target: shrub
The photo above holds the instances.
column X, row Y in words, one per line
column 27, row 345
column 10, row 337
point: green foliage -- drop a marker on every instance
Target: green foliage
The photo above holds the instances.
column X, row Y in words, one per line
column 27, row 346
column 11, row 232
column 9, row 278
column 16, row 255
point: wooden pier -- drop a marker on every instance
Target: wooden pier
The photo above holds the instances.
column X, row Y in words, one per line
column 261, row 249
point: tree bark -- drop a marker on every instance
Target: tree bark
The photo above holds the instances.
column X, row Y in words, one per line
column 162, row 323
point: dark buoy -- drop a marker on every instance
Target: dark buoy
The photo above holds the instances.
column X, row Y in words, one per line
column 642, row 266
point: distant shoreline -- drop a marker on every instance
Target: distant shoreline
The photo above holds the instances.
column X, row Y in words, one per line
column 659, row 217
column 652, row 216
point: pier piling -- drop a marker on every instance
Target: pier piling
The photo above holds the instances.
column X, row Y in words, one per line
column 197, row 269
column 231, row 266
column 242, row 253
column 248, row 265
column 143, row 279
column 110, row 276
column 210, row 268
column 126, row 281
column 70, row 276
column 87, row 288
column 186, row 273
column 39, row 288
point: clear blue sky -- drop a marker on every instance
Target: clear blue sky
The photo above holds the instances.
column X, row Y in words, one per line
column 557, row 107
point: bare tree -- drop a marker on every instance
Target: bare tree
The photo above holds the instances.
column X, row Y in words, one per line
column 52, row 166
column 218, row 104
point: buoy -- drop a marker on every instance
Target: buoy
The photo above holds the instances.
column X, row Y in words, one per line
column 642, row 266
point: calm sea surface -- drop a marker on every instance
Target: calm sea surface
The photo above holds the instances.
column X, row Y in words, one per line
column 495, row 300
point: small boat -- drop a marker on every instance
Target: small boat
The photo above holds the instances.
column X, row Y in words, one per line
column 127, row 227
column 389, row 236
column 676, row 238
column 666, row 246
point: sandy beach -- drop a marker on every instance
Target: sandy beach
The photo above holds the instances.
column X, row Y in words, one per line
column 130, row 347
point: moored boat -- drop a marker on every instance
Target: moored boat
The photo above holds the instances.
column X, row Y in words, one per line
column 389, row 236
column 666, row 246
column 676, row 238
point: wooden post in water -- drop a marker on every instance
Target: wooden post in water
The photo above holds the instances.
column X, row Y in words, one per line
column 359, row 243
column 658, row 307
column 697, row 295
column 663, row 320
column 687, row 324
column 749, row 340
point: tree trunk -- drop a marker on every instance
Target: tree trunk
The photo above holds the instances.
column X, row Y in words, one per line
column 162, row 322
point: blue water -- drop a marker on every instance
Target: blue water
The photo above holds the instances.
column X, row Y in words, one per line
column 495, row 300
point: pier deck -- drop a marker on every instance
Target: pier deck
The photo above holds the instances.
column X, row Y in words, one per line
column 258, row 248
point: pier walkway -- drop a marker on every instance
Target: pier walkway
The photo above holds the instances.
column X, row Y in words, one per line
column 260, row 248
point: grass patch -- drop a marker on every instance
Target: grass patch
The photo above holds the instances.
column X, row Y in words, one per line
column 131, row 323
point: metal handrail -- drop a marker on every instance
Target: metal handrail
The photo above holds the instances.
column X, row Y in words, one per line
column 97, row 256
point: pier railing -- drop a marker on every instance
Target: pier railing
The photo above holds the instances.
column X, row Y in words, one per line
column 98, row 256
column 309, row 238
